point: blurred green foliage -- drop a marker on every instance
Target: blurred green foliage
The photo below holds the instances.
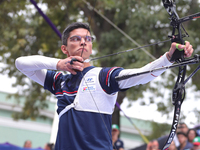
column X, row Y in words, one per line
column 25, row 32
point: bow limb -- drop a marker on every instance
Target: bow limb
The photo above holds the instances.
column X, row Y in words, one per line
column 178, row 56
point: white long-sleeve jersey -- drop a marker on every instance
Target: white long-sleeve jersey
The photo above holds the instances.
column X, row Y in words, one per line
column 35, row 67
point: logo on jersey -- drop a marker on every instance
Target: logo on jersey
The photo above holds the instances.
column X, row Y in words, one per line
column 89, row 80
column 62, row 84
column 89, row 88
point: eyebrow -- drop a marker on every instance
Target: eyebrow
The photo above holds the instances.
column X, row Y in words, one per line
column 81, row 36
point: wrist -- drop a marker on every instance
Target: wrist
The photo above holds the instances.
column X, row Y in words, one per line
column 57, row 65
column 169, row 57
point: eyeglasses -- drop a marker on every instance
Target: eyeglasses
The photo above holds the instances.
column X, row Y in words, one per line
column 77, row 38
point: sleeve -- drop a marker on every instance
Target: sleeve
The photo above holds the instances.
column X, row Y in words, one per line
column 107, row 79
column 145, row 78
column 121, row 144
column 52, row 77
column 35, row 67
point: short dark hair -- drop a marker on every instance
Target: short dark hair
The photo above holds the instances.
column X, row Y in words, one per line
column 182, row 133
column 72, row 27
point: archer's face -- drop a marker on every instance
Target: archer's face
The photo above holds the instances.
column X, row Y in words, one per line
column 79, row 40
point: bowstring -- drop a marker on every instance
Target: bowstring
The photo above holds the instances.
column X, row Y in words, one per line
column 89, row 88
column 109, row 56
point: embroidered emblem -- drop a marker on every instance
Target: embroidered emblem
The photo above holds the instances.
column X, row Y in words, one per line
column 89, row 80
column 90, row 88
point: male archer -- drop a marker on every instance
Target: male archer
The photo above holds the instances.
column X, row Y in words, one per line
column 86, row 96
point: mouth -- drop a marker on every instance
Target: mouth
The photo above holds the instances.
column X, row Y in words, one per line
column 82, row 49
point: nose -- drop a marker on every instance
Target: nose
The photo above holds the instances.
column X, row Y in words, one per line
column 83, row 41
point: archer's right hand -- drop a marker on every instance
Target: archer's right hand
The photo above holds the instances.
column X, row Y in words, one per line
column 71, row 66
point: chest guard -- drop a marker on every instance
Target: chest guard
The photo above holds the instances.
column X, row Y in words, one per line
column 91, row 97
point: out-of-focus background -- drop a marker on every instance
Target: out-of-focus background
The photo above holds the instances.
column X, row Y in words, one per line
column 34, row 27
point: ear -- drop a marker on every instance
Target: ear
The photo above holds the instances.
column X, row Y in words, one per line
column 64, row 50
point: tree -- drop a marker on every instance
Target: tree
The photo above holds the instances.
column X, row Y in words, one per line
column 25, row 32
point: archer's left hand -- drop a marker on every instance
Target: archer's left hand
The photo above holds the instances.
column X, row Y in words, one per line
column 188, row 50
